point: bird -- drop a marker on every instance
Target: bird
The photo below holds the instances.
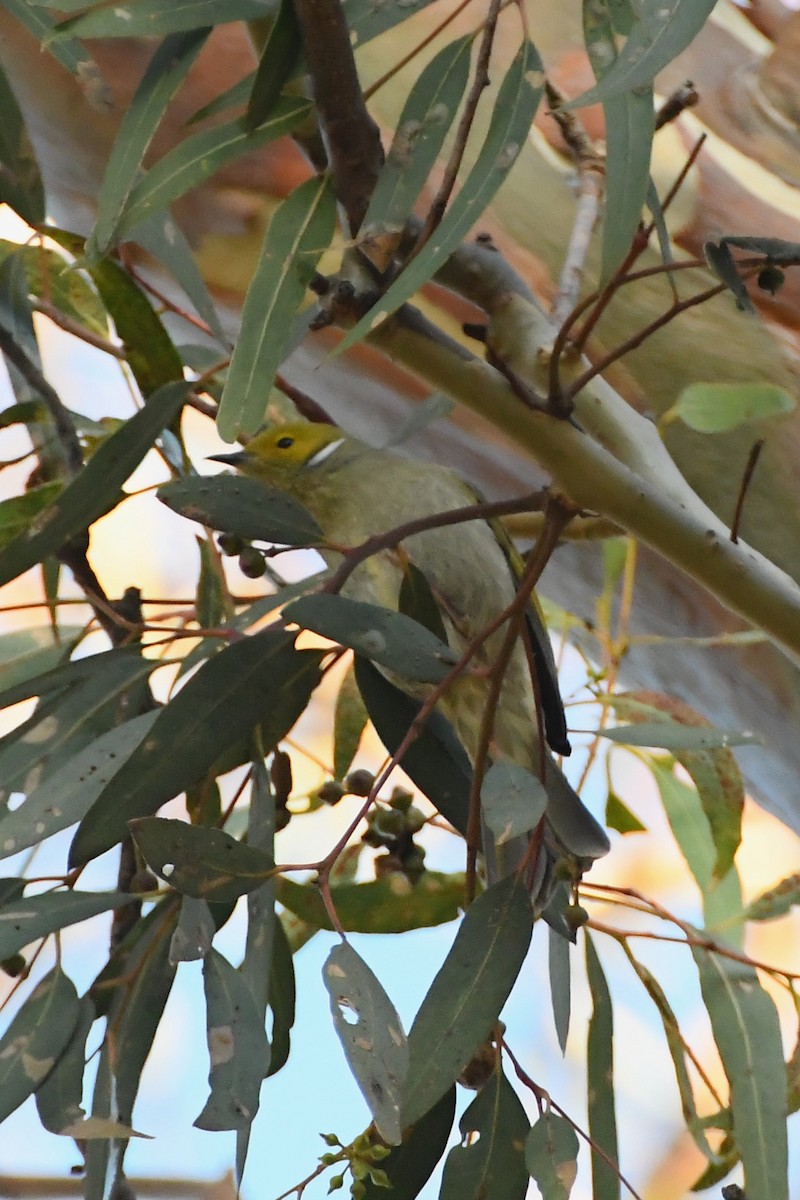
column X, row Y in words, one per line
column 353, row 491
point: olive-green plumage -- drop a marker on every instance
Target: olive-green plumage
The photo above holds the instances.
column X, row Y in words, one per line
column 355, row 491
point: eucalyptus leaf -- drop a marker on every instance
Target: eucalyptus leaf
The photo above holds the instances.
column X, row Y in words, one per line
column 66, row 795
column 165, row 73
column 36, row 1038
column 299, row 231
column 720, row 407
column 410, row 1165
column 194, row 159
column 259, row 680
column 155, row 18
column 96, row 488
column 237, row 1046
column 388, row 905
column 58, row 1099
column 193, row 933
column 435, row 761
column 23, row 921
column 551, row 1156
column 371, row 1034
column 747, row 1033
column 389, row 638
column 514, row 110
column 513, row 801
column 490, row 1159
column 468, row 993
column 207, row 864
column 662, row 29
column 600, row 1081
column 247, row 507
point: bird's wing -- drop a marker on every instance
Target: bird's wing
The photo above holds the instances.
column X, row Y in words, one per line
column 549, row 693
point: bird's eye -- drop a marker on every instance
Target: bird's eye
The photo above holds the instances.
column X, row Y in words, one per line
column 284, row 443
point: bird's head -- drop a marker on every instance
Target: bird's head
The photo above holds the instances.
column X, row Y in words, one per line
column 285, row 453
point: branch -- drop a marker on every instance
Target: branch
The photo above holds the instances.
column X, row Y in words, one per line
column 640, row 489
column 351, row 136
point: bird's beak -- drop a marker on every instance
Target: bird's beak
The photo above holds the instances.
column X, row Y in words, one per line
column 232, row 460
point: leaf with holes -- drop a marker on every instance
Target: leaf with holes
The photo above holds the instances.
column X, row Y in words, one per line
column 371, row 1034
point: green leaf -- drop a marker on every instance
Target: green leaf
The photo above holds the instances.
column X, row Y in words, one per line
column 165, row 73
column 261, row 959
column 36, row 1038
column 349, row 721
column 237, row 1047
column 601, row 1100
column 69, row 792
column 618, row 816
column 703, row 752
column 23, row 921
column 513, row 801
column 280, row 57
column 491, row 1164
column 18, row 513
column 154, row 18
column 427, row 116
column 388, row 905
column 514, row 110
column 193, row 933
column 26, row 653
column 417, row 601
column 662, row 30
column 389, row 638
column 722, row 897
column 371, row 1034
column 410, row 1165
column 150, row 354
column 96, row 488
column 672, row 735
column 67, row 51
column 299, row 231
column 281, row 998
column 161, row 236
column 257, row 680
column 196, row 158
column 630, row 124
column 66, row 720
column 368, row 20
column 20, row 182
column 747, row 1033
column 677, row 1051
column 58, row 1099
column 560, row 976
column 205, row 863
column 234, row 504
column 551, row 1156
column 776, row 901
column 469, row 991
column 435, row 761
column 720, row 407
column 137, row 1004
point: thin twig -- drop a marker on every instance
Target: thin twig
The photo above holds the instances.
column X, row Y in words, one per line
column 750, row 466
column 525, row 1078
column 412, row 54
column 532, row 502
column 591, row 185
column 479, row 83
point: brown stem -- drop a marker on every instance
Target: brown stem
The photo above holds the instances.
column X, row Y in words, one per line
column 352, row 137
